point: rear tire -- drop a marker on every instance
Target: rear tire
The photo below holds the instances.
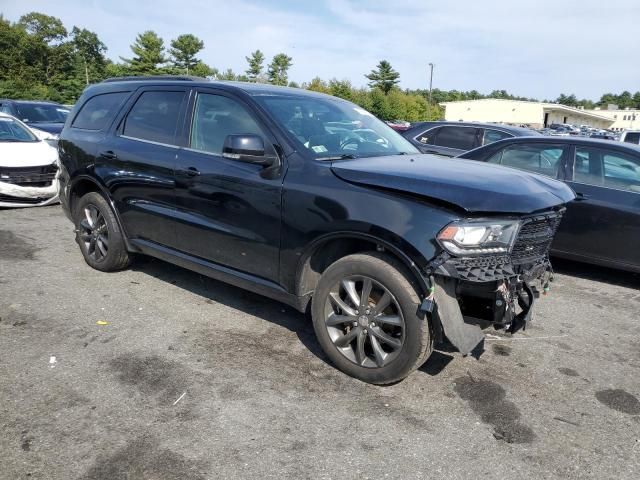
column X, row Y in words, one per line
column 365, row 315
column 98, row 234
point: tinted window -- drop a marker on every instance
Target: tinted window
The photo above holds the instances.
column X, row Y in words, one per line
column 214, row 118
column 96, row 112
column 632, row 137
column 539, row 158
column 5, row 109
column 41, row 113
column 456, row 137
column 428, row 137
column 595, row 166
column 491, row 136
column 154, row 117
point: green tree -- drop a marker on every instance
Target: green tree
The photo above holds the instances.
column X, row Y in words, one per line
column 317, row 85
column 184, row 50
column 255, row 61
column 569, row 100
column 201, row 69
column 341, row 89
column 149, row 58
column 279, row 68
column 44, row 27
column 89, row 51
column 383, row 77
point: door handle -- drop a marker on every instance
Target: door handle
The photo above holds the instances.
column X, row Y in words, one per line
column 581, row 197
column 189, row 172
column 109, row 155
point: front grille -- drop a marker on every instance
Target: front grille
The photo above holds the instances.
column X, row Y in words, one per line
column 25, row 200
column 29, row 176
column 534, row 238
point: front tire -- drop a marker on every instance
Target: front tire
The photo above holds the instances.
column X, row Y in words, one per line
column 365, row 315
column 98, row 234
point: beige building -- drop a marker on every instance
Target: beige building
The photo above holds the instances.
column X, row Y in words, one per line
column 517, row 112
column 626, row 119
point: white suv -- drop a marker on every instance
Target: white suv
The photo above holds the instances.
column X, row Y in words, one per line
column 631, row 136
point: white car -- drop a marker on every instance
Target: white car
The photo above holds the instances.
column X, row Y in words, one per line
column 28, row 165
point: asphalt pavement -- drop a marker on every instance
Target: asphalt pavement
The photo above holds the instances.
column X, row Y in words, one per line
column 156, row 372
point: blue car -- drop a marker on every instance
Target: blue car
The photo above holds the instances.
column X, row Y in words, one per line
column 45, row 116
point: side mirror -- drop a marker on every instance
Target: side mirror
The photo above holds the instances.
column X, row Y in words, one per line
column 247, row 148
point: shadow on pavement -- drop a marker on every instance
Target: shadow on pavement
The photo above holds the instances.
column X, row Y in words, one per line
column 596, row 273
column 259, row 306
column 234, row 297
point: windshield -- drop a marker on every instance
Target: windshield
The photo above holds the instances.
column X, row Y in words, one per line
column 41, row 113
column 13, row 131
column 333, row 128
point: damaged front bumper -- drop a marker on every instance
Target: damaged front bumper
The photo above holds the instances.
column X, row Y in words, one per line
column 30, row 186
column 468, row 293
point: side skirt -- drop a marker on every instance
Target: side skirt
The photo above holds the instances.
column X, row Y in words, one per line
column 224, row 274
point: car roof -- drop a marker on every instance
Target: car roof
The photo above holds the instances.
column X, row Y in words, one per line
column 585, row 141
column 250, row 88
column 43, row 102
column 517, row 131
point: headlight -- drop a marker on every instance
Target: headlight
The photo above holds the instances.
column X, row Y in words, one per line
column 479, row 237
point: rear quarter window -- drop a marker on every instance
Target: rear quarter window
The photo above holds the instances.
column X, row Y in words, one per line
column 98, row 111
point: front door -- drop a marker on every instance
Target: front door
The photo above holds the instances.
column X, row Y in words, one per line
column 604, row 221
column 230, row 211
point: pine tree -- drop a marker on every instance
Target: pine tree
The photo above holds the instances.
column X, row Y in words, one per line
column 383, row 77
column 149, row 54
column 184, row 50
column 278, row 69
column 255, row 61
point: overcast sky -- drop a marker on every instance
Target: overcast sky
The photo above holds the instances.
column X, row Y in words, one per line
column 531, row 48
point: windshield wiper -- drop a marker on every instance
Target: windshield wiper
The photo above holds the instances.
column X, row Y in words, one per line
column 344, row 156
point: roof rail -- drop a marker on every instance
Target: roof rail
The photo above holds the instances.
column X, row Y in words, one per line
column 188, row 78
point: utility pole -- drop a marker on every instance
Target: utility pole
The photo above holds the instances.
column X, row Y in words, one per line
column 431, row 65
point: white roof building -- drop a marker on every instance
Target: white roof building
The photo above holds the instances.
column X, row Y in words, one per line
column 520, row 112
column 627, row 119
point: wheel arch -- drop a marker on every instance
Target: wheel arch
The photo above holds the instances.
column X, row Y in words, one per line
column 83, row 184
column 326, row 249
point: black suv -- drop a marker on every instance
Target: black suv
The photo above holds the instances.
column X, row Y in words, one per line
column 310, row 200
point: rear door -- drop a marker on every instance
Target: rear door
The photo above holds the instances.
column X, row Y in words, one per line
column 230, row 211
column 140, row 157
column 604, row 221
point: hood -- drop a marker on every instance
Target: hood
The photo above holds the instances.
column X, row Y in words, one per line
column 47, row 127
column 27, row 154
column 471, row 185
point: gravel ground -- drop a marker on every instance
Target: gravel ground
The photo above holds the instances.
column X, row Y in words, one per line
column 189, row 379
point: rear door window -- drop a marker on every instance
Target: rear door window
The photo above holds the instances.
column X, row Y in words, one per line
column 491, row 136
column 538, row 158
column 98, row 111
column 427, row 137
column 595, row 166
column 154, row 117
column 462, row 138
